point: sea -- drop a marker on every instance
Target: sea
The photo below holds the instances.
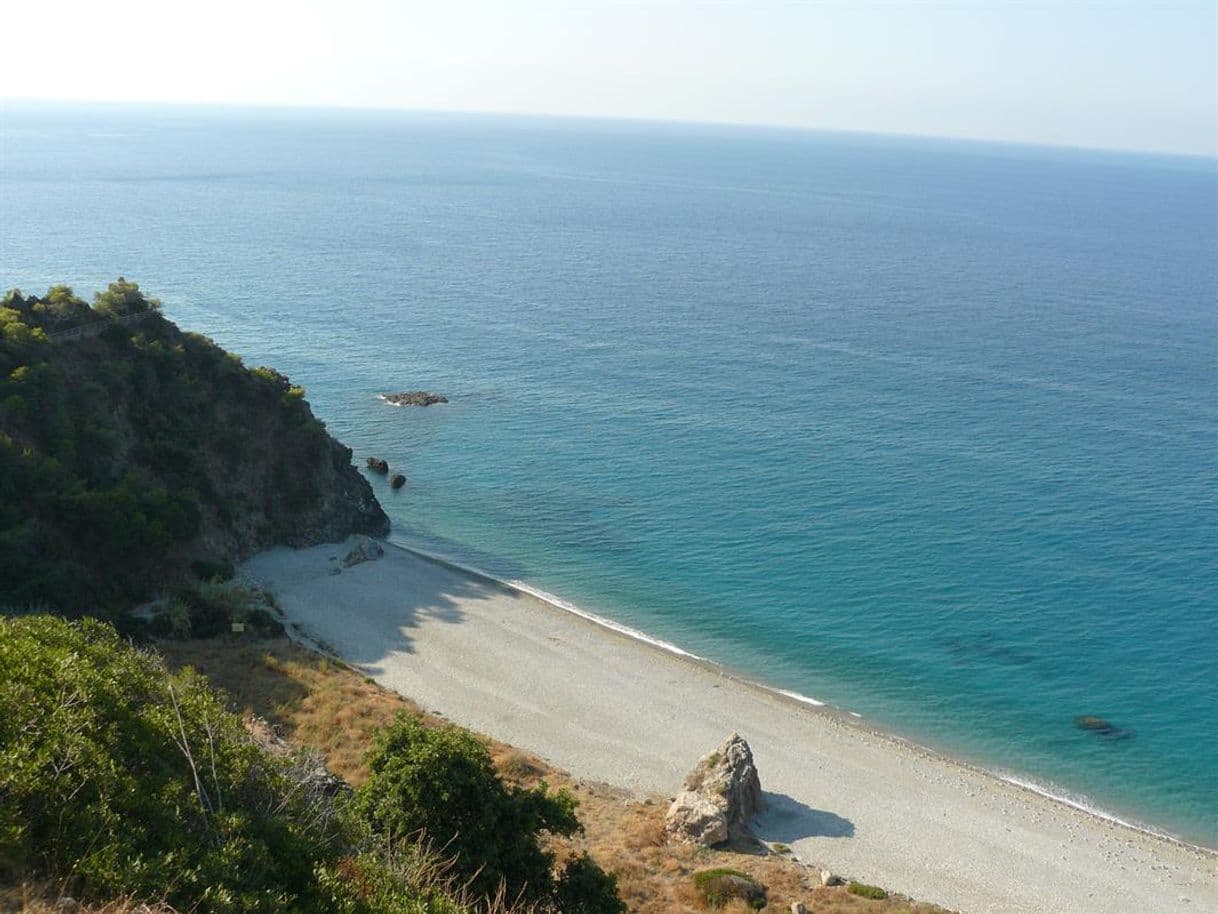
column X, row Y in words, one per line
column 926, row 430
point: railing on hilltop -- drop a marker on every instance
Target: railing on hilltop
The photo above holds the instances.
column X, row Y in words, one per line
column 93, row 328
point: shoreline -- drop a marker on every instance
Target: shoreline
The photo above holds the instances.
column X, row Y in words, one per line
column 505, row 659
column 806, row 701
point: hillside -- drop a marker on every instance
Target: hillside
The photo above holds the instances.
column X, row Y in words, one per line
column 133, row 453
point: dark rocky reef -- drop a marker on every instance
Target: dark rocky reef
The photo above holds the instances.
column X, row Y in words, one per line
column 1102, row 728
column 397, row 481
column 414, row 398
column 377, row 465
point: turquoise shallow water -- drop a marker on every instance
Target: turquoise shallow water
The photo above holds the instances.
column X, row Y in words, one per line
column 927, row 430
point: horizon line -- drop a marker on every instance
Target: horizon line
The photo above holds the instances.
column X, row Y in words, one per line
column 612, row 118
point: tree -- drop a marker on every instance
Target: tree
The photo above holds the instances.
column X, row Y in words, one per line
column 584, row 888
column 122, row 298
column 440, row 782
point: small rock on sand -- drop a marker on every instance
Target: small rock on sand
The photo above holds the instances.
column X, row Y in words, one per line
column 365, row 549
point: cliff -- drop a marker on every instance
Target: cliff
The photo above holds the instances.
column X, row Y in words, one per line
column 132, row 453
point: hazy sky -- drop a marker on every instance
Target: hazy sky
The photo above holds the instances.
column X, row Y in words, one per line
column 1105, row 73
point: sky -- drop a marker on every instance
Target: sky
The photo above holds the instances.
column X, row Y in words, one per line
column 1107, row 74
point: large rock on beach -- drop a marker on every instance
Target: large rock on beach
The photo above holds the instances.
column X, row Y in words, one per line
column 414, row 398
column 695, row 819
column 718, row 798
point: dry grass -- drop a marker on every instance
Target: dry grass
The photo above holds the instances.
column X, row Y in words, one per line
column 310, row 699
column 322, row 704
column 45, row 900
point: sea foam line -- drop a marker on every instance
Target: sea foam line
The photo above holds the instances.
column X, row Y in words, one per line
column 555, row 601
column 1082, row 805
column 805, row 699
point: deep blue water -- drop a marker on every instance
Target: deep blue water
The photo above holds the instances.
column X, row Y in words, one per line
column 928, row 430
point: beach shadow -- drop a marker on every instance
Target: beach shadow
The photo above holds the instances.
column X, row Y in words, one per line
column 786, row 820
column 429, row 541
column 431, row 592
column 370, row 611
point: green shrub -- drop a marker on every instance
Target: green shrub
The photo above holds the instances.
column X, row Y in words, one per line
column 213, row 571
column 208, row 609
column 403, row 879
column 440, row 782
column 866, row 891
column 119, row 778
column 720, row 885
column 584, row 888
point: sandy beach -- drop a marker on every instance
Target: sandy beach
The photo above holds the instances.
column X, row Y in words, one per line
column 610, row 708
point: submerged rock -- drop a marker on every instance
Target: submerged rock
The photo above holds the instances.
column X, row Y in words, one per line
column 397, row 481
column 1091, row 722
column 718, row 798
column 1102, row 728
column 377, row 465
column 414, row 398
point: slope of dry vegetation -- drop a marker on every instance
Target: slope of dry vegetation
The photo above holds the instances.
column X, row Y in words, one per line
column 320, row 703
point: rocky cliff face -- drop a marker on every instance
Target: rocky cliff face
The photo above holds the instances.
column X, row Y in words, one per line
column 132, row 452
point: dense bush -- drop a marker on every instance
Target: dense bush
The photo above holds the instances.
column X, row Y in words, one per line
column 403, row 879
column 120, row 778
column 584, row 888
column 866, row 891
column 720, row 885
column 441, row 783
column 213, row 571
column 210, row 608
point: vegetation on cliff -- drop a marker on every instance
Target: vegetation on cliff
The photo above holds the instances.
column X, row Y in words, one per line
column 119, row 778
column 130, row 451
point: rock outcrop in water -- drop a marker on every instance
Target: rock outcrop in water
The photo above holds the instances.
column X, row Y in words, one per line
column 718, row 798
column 414, row 398
column 377, row 465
